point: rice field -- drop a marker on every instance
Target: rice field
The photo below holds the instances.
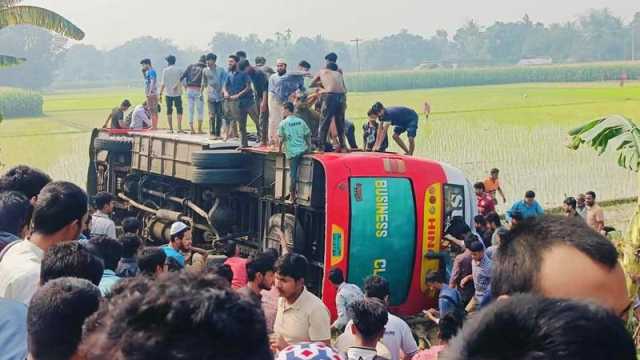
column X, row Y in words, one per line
column 520, row 129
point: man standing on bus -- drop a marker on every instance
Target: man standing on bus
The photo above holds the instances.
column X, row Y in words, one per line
column 151, row 90
column 403, row 119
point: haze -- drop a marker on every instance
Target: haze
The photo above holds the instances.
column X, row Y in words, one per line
column 193, row 22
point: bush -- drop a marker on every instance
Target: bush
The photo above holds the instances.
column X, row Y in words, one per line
column 20, row 103
column 424, row 79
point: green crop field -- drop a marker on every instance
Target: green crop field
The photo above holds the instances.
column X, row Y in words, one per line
column 520, row 129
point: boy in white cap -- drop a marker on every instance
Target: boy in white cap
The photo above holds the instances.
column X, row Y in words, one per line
column 179, row 233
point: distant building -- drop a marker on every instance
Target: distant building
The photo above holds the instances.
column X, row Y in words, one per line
column 546, row 60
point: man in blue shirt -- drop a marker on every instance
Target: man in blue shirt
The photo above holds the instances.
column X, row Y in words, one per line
column 151, row 90
column 403, row 119
column 110, row 251
column 527, row 208
column 448, row 298
column 179, row 231
column 238, row 98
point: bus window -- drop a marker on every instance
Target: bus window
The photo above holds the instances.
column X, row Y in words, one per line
column 454, row 202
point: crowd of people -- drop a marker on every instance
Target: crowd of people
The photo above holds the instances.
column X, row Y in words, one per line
column 239, row 90
column 75, row 286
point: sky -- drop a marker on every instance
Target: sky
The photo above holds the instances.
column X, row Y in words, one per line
column 192, row 23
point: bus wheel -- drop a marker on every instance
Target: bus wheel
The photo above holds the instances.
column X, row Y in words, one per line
column 280, row 235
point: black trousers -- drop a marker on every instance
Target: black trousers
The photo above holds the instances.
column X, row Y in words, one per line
column 333, row 108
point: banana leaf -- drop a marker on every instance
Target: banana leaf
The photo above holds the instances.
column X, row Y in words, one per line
column 612, row 132
column 37, row 16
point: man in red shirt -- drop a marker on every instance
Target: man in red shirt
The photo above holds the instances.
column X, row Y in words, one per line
column 486, row 204
column 237, row 264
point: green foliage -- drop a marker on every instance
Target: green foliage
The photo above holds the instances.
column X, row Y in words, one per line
column 612, row 132
column 20, row 103
column 404, row 80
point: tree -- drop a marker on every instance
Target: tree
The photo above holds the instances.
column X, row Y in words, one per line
column 471, row 43
column 603, row 36
column 44, row 51
column 12, row 14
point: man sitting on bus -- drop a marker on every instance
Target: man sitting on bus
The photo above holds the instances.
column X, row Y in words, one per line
column 403, row 119
column 116, row 117
column 140, row 117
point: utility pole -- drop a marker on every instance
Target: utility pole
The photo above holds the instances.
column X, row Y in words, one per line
column 358, row 41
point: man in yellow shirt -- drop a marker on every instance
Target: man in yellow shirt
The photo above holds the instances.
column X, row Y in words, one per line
column 301, row 316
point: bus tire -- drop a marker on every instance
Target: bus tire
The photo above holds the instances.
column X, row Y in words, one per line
column 121, row 144
column 278, row 235
column 220, row 176
column 218, row 159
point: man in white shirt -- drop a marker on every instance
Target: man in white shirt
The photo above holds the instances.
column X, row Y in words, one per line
column 140, row 117
column 101, row 223
column 58, row 216
column 171, row 83
column 397, row 334
column 346, row 295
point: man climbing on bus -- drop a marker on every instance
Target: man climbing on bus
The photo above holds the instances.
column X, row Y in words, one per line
column 403, row 119
column 296, row 137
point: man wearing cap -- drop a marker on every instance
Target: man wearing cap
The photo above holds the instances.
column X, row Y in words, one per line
column 171, row 83
column 151, row 90
column 179, row 232
column 281, row 86
column 192, row 77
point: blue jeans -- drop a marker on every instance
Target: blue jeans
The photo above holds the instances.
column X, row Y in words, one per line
column 195, row 99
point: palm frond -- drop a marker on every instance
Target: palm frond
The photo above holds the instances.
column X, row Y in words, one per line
column 612, row 132
column 37, row 16
column 6, row 60
column 7, row 3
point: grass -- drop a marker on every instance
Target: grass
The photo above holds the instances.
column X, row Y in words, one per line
column 520, row 129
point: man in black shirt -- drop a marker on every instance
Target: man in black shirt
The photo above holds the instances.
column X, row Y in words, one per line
column 116, row 118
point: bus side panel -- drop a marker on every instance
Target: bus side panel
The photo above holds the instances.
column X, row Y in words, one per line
column 337, row 228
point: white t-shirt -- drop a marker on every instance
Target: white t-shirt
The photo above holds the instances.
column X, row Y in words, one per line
column 20, row 271
column 101, row 224
column 397, row 336
column 139, row 118
column 171, row 81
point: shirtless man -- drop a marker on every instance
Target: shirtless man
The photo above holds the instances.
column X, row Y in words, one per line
column 333, row 89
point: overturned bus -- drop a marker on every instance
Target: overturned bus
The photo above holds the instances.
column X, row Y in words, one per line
column 366, row 213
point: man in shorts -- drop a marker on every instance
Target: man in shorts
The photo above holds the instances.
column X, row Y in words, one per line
column 171, row 83
column 403, row 119
column 151, row 90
